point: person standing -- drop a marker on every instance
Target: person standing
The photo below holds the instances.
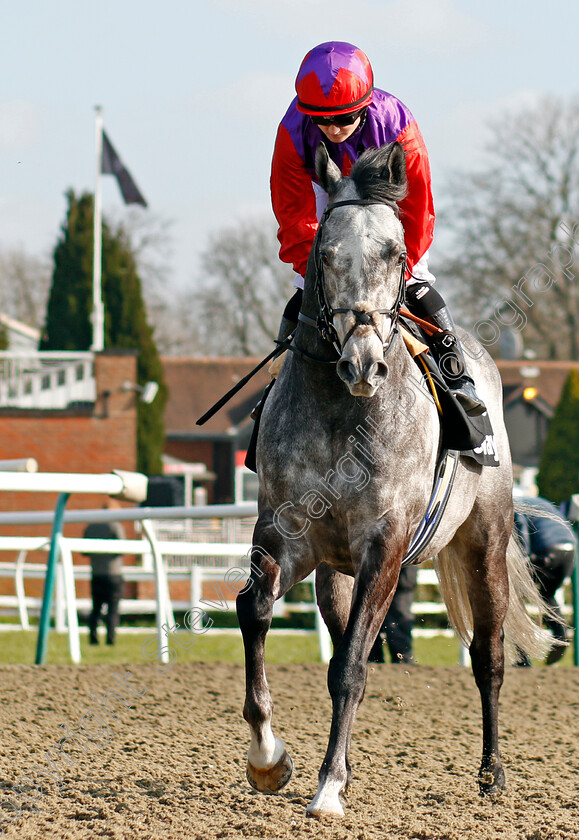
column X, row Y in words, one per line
column 399, row 622
column 550, row 543
column 106, row 577
column 337, row 104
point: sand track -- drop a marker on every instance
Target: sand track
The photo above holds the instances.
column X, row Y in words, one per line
column 173, row 766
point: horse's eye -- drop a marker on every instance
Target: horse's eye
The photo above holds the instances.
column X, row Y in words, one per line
column 401, row 257
column 324, row 257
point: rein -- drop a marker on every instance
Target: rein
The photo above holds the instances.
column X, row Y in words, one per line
column 324, row 322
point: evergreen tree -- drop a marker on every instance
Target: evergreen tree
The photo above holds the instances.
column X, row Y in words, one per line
column 558, row 477
column 68, row 322
column 126, row 326
column 68, row 325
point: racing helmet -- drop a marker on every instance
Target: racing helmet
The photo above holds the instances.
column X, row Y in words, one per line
column 334, row 78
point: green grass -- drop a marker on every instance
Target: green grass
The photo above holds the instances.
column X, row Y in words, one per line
column 439, row 650
column 19, row 647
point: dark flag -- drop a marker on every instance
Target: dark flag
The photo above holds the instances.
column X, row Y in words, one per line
column 112, row 165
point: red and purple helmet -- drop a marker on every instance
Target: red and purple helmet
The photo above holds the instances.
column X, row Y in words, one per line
column 334, row 78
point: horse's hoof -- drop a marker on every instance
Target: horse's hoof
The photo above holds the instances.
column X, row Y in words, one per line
column 327, row 803
column 492, row 781
column 271, row 779
column 334, row 811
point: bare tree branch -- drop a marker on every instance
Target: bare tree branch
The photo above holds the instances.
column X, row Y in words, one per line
column 24, row 286
column 243, row 290
column 517, row 212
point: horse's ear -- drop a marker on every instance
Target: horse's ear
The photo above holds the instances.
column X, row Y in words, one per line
column 327, row 171
column 395, row 170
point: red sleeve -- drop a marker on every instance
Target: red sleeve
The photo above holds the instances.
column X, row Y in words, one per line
column 294, row 203
column 417, row 209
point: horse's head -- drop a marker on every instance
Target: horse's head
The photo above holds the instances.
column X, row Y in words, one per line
column 360, row 259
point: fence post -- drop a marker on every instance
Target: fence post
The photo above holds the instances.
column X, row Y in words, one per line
column 164, row 609
column 48, row 593
column 59, row 600
column 324, row 639
column 69, row 588
column 20, row 590
column 195, row 587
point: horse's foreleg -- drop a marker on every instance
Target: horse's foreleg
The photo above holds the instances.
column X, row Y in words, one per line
column 269, row 767
column 373, row 592
column 334, row 597
column 488, row 589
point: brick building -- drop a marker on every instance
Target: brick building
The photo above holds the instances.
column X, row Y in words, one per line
column 92, row 427
column 195, row 384
column 88, row 424
column 531, row 391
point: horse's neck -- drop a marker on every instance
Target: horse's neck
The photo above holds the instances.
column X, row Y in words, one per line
column 307, row 337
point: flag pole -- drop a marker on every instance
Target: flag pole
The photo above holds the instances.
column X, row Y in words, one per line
column 98, row 314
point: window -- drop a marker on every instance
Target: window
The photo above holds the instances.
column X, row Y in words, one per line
column 246, row 485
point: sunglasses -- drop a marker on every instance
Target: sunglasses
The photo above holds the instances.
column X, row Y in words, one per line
column 338, row 119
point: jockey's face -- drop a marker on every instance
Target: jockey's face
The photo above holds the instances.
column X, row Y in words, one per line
column 339, row 133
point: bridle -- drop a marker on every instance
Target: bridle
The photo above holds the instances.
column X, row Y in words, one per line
column 324, row 322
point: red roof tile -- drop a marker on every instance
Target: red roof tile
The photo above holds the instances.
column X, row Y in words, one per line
column 195, row 384
column 549, row 381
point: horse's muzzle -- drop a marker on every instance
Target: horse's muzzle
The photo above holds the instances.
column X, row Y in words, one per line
column 362, row 379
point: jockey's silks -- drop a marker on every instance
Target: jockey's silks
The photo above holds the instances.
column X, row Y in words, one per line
column 293, row 198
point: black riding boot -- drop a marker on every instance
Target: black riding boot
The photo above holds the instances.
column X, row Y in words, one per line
column 427, row 303
column 452, row 365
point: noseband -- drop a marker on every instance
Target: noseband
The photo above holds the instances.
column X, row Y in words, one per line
column 324, row 322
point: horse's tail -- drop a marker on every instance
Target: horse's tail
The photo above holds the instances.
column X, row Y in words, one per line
column 522, row 633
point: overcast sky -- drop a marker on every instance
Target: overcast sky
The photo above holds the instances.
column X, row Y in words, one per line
column 193, row 91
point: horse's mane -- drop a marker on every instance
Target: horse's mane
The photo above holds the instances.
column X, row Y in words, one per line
column 372, row 176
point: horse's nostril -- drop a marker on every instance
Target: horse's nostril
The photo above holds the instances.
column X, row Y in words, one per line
column 375, row 370
column 347, row 372
column 381, row 370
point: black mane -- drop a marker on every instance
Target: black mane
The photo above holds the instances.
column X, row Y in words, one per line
column 380, row 174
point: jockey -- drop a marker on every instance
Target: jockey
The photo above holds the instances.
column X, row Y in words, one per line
column 337, row 104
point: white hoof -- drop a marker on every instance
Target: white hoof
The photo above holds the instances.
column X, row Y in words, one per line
column 326, row 803
column 267, row 752
column 271, row 771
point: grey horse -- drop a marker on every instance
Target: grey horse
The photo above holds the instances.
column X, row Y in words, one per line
column 346, row 458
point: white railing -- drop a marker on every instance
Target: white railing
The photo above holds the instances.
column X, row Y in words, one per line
column 212, row 562
column 67, row 604
column 46, row 379
column 210, row 569
column 206, row 562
